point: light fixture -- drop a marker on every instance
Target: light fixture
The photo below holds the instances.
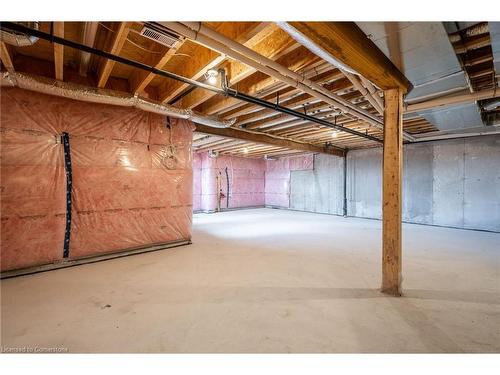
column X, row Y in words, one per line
column 213, row 154
column 245, row 150
column 211, row 76
column 335, row 134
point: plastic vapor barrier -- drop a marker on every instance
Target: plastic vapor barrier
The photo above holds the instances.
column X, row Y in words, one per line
column 278, row 178
column 131, row 178
column 246, row 177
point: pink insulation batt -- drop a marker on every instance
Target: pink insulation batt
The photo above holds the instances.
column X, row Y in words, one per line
column 246, row 181
column 132, row 178
column 278, row 178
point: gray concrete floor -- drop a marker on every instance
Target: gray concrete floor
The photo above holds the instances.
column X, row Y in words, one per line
column 267, row 280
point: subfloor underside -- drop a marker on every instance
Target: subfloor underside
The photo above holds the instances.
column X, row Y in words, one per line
column 266, row 280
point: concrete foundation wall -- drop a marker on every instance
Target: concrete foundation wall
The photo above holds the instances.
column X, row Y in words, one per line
column 320, row 189
column 451, row 183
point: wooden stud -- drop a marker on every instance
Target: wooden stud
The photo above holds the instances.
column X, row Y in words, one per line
column 6, row 57
column 118, row 40
column 391, row 195
column 59, row 51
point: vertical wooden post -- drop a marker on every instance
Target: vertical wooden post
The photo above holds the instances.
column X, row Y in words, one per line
column 391, row 195
column 59, row 51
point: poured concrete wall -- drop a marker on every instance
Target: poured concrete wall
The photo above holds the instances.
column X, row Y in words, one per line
column 451, row 183
column 320, row 189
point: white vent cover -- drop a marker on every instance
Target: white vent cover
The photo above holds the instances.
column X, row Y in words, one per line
column 160, row 36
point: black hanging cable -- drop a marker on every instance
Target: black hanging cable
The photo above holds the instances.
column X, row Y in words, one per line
column 69, row 189
column 227, row 197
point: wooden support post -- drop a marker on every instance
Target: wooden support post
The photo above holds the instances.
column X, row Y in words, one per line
column 59, row 52
column 391, row 196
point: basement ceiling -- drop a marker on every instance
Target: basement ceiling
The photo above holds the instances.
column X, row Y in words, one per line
column 423, row 50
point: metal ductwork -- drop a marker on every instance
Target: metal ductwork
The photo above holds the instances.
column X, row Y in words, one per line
column 95, row 95
column 423, row 47
column 19, row 39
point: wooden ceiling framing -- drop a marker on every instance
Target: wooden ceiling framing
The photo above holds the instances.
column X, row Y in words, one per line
column 473, row 48
column 258, row 131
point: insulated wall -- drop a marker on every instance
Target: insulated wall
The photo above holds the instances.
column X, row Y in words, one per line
column 131, row 170
column 321, row 189
column 278, row 174
column 197, row 188
column 245, row 177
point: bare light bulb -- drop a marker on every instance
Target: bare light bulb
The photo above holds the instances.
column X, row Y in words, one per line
column 335, row 134
column 211, row 76
column 245, row 150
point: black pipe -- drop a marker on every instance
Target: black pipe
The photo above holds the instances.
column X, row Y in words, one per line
column 227, row 197
column 69, row 189
column 227, row 91
column 345, row 182
column 181, row 95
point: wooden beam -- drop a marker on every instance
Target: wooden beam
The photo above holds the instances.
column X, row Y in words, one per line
column 88, row 38
column 202, row 59
column 391, row 193
column 140, row 79
column 6, row 57
column 267, row 139
column 117, row 41
column 346, row 42
column 297, row 59
column 271, row 42
column 59, row 51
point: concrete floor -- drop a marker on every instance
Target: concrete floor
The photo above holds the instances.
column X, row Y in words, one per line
column 267, row 280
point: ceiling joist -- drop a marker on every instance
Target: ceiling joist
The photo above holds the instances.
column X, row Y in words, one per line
column 116, row 45
column 59, row 52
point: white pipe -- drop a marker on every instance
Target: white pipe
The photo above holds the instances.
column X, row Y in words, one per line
column 460, row 98
column 95, row 95
column 302, row 39
column 215, row 41
column 454, row 135
column 363, row 91
column 350, row 73
column 372, row 90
